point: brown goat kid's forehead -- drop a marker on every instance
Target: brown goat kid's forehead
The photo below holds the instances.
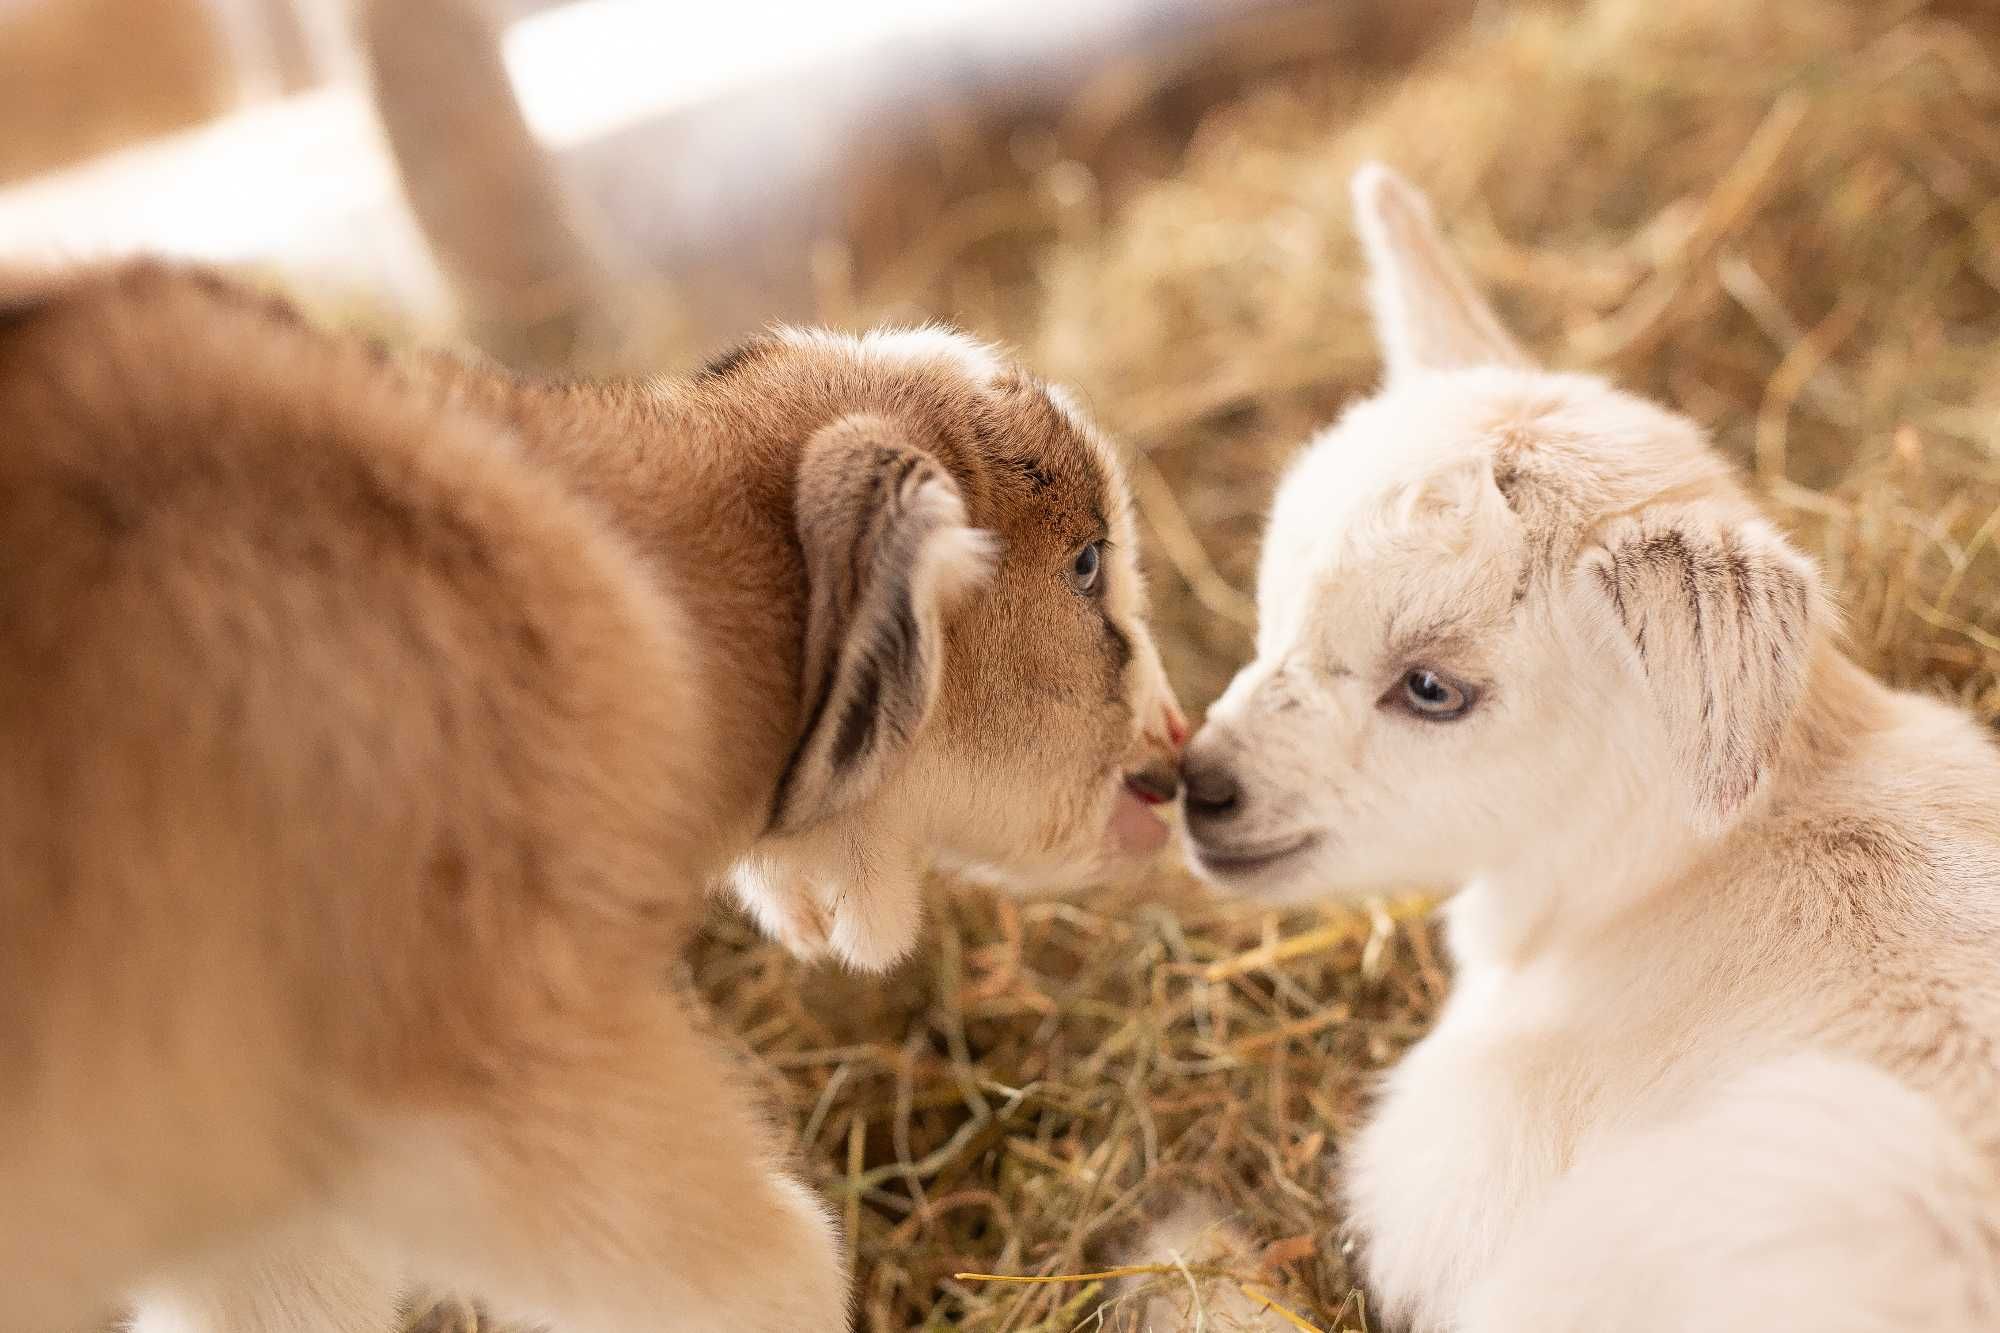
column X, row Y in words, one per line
column 1030, row 467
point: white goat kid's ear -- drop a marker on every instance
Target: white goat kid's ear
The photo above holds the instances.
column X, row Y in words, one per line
column 1428, row 315
column 887, row 552
column 1720, row 617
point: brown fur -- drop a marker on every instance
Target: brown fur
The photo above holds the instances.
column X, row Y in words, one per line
column 369, row 736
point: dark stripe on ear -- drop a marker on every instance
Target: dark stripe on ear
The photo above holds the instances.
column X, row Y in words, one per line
column 870, row 508
column 897, row 660
column 902, row 649
column 790, row 773
column 857, row 723
column 1607, row 579
column 903, row 465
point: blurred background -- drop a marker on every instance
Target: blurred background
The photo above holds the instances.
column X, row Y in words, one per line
column 774, row 157
column 1781, row 217
column 619, row 186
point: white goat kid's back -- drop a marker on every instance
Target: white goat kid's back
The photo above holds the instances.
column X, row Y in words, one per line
column 1721, row 1051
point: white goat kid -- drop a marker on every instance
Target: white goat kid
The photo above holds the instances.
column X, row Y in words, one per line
column 1721, row 1051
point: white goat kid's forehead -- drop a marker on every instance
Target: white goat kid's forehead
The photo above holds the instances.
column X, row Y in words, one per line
column 1390, row 520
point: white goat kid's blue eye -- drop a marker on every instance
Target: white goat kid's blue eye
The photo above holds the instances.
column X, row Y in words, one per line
column 1084, row 570
column 1432, row 695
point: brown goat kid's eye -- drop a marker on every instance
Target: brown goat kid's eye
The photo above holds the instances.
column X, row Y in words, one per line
column 1087, row 568
column 1430, row 695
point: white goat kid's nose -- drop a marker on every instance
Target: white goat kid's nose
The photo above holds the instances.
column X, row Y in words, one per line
column 1213, row 795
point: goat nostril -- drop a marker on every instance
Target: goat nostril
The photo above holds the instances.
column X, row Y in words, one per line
column 1211, row 791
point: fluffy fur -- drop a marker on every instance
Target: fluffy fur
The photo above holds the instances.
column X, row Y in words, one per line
column 371, row 734
column 1193, row 1235
column 1721, row 1050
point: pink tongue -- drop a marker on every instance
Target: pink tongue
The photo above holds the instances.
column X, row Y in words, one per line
column 1135, row 829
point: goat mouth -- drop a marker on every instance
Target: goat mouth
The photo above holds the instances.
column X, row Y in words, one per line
column 1243, row 862
column 1134, row 829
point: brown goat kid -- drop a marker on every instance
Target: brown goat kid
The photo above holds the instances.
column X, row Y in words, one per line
column 370, row 735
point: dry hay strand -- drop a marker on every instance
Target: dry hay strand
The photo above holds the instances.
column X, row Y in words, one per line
column 1778, row 217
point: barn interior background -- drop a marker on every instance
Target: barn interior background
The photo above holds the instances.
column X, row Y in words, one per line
column 1780, row 216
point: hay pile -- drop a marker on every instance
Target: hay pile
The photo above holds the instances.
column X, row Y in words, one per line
column 1781, row 217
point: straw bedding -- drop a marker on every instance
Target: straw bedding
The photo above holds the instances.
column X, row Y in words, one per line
column 1783, row 218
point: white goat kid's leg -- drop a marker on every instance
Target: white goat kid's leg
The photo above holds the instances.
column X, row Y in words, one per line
column 1809, row 1192
column 1196, row 1234
column 1462, row 1145
column 307, row 1281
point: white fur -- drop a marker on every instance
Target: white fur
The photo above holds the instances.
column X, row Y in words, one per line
column 1195, row 1234
column 852, row 892
column 592, row 1250
column 1721, row 1051
column 925, row 344
column 309, row 1279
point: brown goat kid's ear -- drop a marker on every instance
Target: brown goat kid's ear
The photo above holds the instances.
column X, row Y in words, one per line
column 1720, row 617
column 1428, row 315
column 887, row 551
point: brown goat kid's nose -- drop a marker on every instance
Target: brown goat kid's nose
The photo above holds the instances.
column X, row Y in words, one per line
column 1155, row 784
column 1212, row 791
